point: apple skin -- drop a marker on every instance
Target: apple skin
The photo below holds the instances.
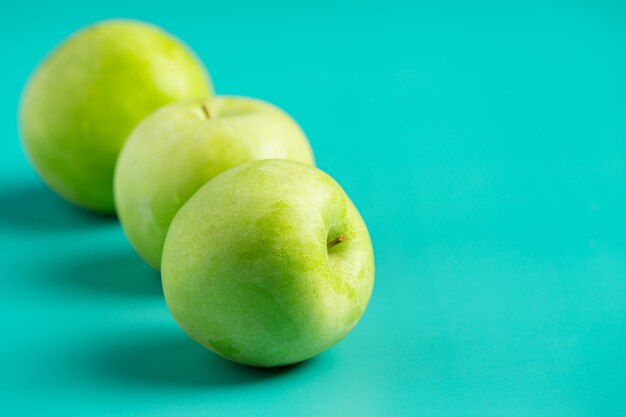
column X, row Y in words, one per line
column 178, row 148
column 83, row 100
column 248, row 270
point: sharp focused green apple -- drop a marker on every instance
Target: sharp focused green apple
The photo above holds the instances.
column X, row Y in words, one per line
column 178, row 148
column 86, row 96
column 268, row 264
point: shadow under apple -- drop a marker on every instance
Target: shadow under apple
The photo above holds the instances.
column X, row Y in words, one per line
column 34, row 208
column 170, row 358
column 111, row 271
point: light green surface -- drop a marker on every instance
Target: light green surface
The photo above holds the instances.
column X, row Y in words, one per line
column 253, row 268
column 484, row 145
column 178, row 148
column 86, row 96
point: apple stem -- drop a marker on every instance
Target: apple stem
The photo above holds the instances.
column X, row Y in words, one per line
column 205, row 109
column 335, row 241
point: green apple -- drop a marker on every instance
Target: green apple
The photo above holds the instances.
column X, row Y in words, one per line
column 178, row 148
column 268, row 264
column 84, row 99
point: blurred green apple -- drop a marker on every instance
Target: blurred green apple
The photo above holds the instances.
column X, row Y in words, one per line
column 83, row 100
column 268, row 264
column 178, row 148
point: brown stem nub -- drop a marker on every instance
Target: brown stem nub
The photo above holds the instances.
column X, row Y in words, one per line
column 335, row 241
column 205, row 110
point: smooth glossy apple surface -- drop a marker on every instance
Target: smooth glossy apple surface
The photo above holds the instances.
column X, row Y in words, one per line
column 83, row 100
column 177, row 149
column 268, row 264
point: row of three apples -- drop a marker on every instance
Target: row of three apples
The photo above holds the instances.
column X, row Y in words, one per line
column 274, row 247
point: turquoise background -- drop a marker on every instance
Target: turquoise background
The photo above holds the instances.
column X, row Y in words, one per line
column 485, row 145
